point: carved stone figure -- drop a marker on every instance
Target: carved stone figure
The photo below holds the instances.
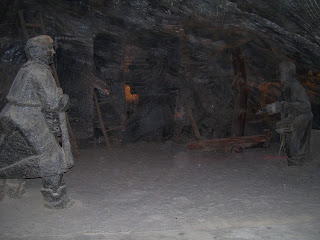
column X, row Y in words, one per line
column 296, row 116
column 29, row 125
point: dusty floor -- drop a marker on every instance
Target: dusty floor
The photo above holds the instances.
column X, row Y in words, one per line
column 148, row 191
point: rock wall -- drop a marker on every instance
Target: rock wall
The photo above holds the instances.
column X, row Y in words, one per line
column 169, row 52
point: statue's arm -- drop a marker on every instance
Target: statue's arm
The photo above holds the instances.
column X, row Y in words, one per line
column 301, row 104
column 50, row 96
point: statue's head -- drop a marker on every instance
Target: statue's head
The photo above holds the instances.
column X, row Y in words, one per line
column 40, row 48
column 287, row 72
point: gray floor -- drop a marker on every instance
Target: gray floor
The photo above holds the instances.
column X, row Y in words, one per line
column 162, row 191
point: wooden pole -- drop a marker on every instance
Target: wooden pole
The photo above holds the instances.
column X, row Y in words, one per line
column 241, row 101
column 73, row 141
column 42, row 24
column 55, row 75
column 23, row 24
column 193, row 122
column 101, row 121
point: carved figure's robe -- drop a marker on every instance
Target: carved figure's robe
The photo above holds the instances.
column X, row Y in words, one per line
column 28, row 149
column 298, row 117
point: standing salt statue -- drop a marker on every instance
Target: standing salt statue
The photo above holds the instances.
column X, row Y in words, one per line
column 29, row 128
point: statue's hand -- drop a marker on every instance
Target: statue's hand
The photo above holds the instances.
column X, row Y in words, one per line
column 273, row 108
column 64, row 103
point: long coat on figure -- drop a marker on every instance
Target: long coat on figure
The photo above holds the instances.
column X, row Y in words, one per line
column 32, row 93
column 28, row 145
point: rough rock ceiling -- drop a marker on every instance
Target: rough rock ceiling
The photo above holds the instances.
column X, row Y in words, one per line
column 288, row 27
column 269, row 31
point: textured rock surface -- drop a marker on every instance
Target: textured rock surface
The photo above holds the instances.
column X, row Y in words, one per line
column 159, row 47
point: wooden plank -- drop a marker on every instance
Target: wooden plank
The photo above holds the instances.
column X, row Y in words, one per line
column 101, row 121
column 112, row 129
column 115, row 128
column 193, row 122
column 227, row 144
column 33, row 25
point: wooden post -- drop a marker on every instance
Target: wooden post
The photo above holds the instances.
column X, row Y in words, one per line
column 193, row 122
column 101, row 121
column 23, row 24
column 242, row 90
column 42, row 24
column 55, row 75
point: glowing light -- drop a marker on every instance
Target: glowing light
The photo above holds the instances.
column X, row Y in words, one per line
column 129, row 96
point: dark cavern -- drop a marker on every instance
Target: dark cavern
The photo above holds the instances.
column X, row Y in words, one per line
column 168, row 119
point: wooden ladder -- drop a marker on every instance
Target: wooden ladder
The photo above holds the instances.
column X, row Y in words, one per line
column 103, row 129
column 24, row 25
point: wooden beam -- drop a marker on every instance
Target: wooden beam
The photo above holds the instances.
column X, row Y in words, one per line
column 232, row 143
column 43, row 29
column 23, row 24
column 115, row 128
column 242, row 91
column 33, row 25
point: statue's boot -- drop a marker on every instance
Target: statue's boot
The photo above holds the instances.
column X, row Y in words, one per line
column 13, row 188
column 54, row 192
